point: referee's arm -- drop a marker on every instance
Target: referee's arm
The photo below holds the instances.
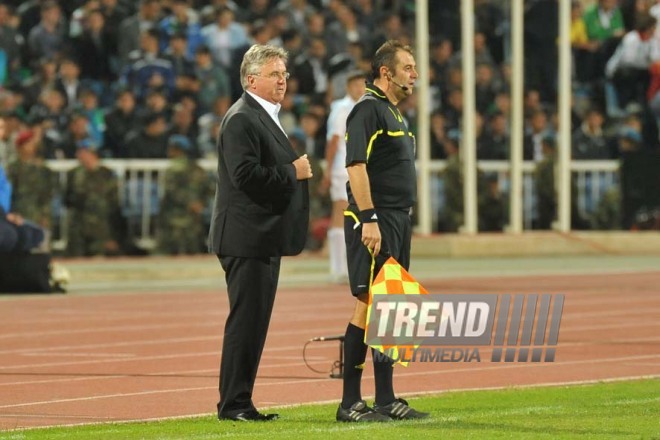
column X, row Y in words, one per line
column 361, row 190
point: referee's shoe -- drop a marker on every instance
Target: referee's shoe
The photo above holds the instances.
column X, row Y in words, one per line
column 399, row 410
column 360, row 412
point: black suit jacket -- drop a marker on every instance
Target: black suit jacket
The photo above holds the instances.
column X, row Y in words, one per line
column 260, row 210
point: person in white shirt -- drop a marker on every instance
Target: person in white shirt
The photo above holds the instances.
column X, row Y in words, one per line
column 628, row 68
column 336, row 175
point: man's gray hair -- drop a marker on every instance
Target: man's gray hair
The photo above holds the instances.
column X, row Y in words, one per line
column 256, row 57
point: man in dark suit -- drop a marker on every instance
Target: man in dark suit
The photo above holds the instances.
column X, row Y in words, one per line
column 261, row 213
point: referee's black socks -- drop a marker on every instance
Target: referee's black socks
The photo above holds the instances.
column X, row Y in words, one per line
column 383, row 372
column 355, row 352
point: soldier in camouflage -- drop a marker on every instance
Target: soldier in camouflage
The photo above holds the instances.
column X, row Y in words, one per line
column 92, row 200
column 34, row 184
column 188, row 189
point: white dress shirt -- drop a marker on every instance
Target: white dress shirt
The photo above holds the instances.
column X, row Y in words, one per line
column 271, row 109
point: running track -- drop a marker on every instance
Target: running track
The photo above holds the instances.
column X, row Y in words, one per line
column 67, row 359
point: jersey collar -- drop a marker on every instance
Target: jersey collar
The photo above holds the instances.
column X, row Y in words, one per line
column 376, row 92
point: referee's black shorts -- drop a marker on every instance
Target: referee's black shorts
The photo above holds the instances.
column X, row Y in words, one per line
column 396, row 232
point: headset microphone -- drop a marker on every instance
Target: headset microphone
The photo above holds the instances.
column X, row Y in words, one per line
column 404, row 88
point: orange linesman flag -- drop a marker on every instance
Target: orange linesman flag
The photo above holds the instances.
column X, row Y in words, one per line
column 393, row 279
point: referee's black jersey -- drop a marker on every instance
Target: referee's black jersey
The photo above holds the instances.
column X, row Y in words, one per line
column 377, row 135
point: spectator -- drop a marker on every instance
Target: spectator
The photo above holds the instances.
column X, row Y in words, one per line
column 96, row 47
column 149, row 69
column 486, row 87
column 79, row 17
column 453, row 110
column 92, row 199
column 438, row 136
column 297, row 12
column 257, row 10
column 15, row 234
column 33, row 183
column 390, row 28
column 213, row 80
column 604, row 23
column 47, row 39
column 440, row 56
column 208, row 12
column 209, row 126
column 50, row 115
column 183, row 20
column 177, row 54
column 151, row 141
column 316, row 28
column 583, row 48
column 184, row 124
column 537, row 131
column 589, row 140
column 89, row 106
column 131, row 29
column 344, row 31
column 120, row 121
column 188, row 189
column 260, row 34
column 311, row 69
column 495, row 146
column 68, row 82
column 541, row 54
column 44, row 80
column 224, row 36
column 628, row 69
column 11, row 43
column 544, row 182
column 113, row 14
column 491, row 21
column 78, row 130
column 156, row 103
column 481, row 53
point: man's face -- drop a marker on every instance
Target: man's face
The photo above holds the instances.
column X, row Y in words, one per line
column 2, row 128
column 270, row 82
column 405, row 74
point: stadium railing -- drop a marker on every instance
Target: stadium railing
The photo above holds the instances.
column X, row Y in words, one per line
column 141, row 186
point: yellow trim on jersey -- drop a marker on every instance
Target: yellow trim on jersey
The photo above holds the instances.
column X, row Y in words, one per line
column 375, row 93
column 397, row 117
column 371, row 142
column 396, row 133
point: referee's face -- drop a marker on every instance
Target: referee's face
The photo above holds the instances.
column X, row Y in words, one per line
column 270, row 82
column 405, row 73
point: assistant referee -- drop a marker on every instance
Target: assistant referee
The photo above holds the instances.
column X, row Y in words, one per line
column 380, row 159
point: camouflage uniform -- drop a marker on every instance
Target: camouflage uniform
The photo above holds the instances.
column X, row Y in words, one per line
column 34, row 187
column 490, row 206
column 188, row 189
column 544, row 182
column 94, row 214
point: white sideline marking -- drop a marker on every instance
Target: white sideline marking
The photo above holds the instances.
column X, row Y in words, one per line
column 289, row 382
column 324, row 402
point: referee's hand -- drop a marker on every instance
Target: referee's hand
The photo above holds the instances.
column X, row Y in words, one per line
column 371, row 237
column 303, row 168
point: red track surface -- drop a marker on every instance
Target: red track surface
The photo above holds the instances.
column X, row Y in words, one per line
column 87, row 359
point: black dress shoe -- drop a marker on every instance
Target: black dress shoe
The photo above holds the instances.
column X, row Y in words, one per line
column 250, row 416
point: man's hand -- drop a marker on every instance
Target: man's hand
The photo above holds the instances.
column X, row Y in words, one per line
column 371, row 237
column 303, row 168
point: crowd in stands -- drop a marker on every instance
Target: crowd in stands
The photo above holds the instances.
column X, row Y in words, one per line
column 122, row 78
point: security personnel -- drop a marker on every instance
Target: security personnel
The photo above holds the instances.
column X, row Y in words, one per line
column 380, row 158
